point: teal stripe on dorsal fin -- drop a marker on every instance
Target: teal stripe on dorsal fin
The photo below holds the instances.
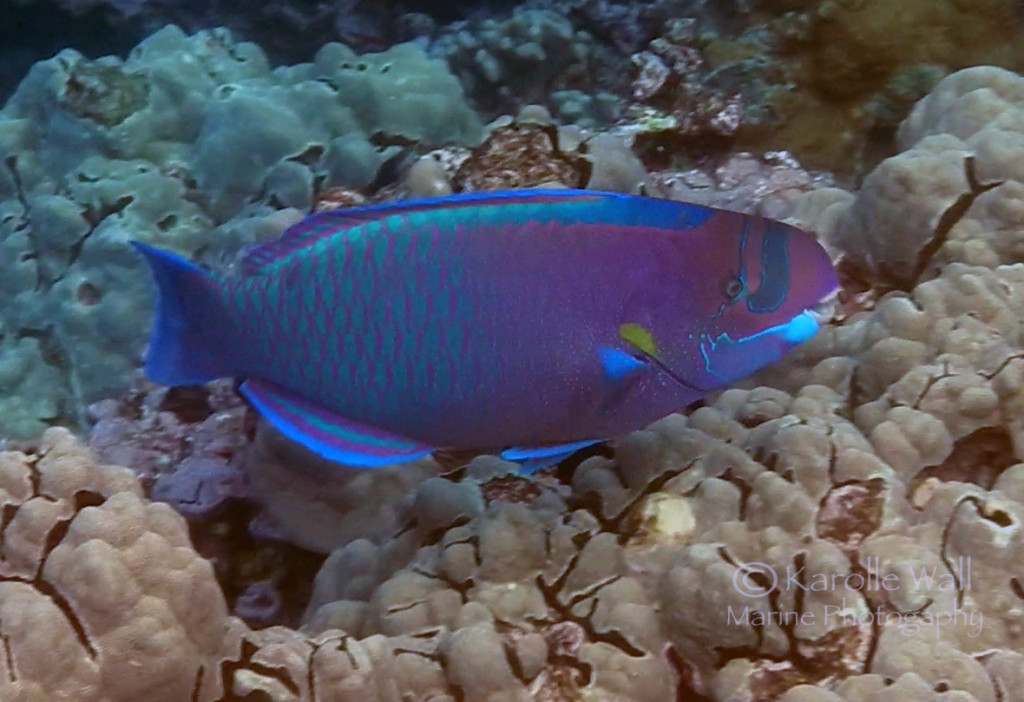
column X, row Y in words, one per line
column 321, row 225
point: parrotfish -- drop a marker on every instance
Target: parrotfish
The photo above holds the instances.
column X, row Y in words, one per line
column 532, row 323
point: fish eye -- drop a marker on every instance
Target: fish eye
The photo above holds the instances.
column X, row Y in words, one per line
column 734, row 287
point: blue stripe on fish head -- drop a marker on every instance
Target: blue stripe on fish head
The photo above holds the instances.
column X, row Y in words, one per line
column 782, row 272
column 751, row 281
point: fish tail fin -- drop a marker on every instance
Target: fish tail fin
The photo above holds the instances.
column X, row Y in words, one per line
column 186, row 345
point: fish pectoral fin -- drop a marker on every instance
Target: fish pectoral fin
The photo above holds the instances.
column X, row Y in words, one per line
column 327, row 434
column 541, row 457
column 618, row 364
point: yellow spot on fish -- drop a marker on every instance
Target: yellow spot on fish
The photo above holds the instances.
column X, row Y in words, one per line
column 639, row 337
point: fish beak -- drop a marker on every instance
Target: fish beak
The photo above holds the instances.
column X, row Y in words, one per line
column 825, row 310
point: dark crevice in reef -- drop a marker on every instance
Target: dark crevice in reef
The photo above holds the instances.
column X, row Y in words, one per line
column 514, row 664
column 979, row 507
column 197, row 686
column 228, row 668
column 978, row 458
column 35, row 478
column 87, row 498
column 461, row 587
column 564, row 611
column 953, row 214
column 94, row 218
column 932, row 380
column 11, row 163
column 9, row 658
column 688, row 678
column 241, row 559
column 6, row 516
column 339, row 645
column 53, row 539
column 828, row 658
column 434, row 537
column 989, row 375
column 729, row 476
column 311, row 668
column 190, row 404
column 763, row 582
column 51, row 592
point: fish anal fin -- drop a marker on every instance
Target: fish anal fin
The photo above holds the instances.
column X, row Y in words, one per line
column 327, row 434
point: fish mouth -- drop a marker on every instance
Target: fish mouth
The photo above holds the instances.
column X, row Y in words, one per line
column 824, row 311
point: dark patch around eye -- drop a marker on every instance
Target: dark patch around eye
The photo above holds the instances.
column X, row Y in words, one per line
column 773, row 286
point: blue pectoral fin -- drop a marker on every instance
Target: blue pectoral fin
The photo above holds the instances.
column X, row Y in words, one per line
column 619, row 365
column 541, row 457
column 325, row 433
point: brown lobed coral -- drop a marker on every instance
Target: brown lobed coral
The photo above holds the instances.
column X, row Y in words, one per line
column 101, row 594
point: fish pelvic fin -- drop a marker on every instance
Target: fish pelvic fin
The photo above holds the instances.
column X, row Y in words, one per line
column 188, row 338
column 536, row 458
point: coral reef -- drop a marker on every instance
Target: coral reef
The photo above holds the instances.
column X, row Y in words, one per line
column 528, row 151
column 622, row 583
column 953, row 194
column 846, row 526
column 187, row 144
column 827, row 80
column 95, row 577
column 534, row 46
column 504, row 63
column 770, row 185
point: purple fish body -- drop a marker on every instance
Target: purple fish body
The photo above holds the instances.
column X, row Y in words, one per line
column 540, row 320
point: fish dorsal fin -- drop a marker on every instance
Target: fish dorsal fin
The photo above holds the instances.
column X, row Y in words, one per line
column 324, row 224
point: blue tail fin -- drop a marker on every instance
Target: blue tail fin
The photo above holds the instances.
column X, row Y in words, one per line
column 191, row 329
